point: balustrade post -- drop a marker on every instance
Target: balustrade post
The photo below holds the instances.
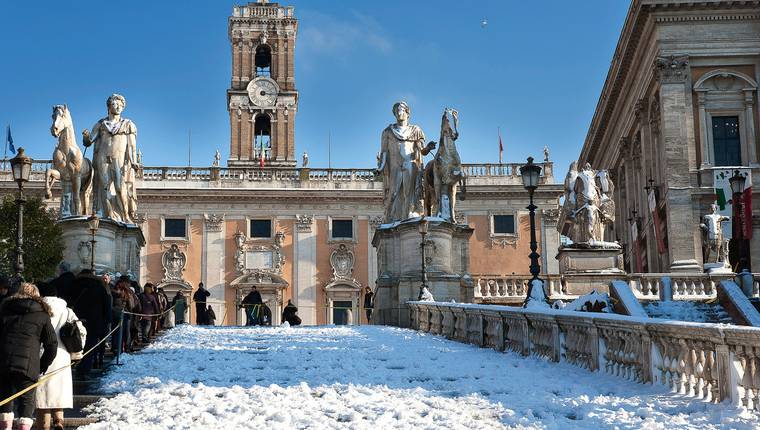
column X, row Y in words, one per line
column 593, row 334
column 164, row 173
column 556, row 346
column 724, row 372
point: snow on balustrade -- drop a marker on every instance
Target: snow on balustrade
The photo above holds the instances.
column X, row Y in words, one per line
column 711, row 362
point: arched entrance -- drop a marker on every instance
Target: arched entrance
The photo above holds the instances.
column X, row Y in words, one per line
column 271, row 287
column 172, row 287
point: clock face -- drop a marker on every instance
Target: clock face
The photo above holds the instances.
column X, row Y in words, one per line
column 263, row 91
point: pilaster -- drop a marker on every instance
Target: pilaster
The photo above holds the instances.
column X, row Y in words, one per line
column 305, row 268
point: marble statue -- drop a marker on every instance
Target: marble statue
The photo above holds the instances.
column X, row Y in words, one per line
column 444, row 172
column 714, row 247
column 402, row 148
column 69, row 166
column 305, row 162
column 589, row 206
column 114, row 139
column 217, row 159
column 546, row 154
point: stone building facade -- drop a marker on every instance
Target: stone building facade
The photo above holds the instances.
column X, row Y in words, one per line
column 678, row 112
column 301, row 234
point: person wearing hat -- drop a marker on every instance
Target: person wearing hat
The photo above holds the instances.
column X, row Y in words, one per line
column 56, row 394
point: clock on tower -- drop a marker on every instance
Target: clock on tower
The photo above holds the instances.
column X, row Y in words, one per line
column 262, row 99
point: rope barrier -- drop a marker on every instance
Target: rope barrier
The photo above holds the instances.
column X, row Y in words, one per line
column 52, row 373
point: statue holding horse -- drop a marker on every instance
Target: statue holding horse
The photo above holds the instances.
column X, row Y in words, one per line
column 589, row 206
column 69, row 167
column 444, row 173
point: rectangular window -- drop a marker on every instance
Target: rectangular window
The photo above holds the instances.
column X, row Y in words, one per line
column 726, row 144
column 503, row 224
column 261, row 228
column 342, row 229
column 175, row 227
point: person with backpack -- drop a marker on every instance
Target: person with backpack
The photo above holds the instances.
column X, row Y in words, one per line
column 56, row 394
column 24, row 327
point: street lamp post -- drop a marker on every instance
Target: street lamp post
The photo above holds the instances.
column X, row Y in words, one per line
column 423, row 228
column 93, row 223
column 737, row 188
column 21, row 166
column 530, row 174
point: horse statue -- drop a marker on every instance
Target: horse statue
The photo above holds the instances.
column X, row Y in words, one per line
column 69, row 166
column 444, row 173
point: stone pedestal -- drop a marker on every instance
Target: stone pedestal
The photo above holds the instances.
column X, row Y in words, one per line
column 589, row 268
column 399, row 261
column 117, row 247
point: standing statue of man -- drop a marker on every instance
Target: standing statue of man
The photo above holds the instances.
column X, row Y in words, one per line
column 114, row 161
column 402, row 147
column 712, row 235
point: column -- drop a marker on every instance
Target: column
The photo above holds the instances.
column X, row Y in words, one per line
column 679, row 148
column 305, row 268
column 703, row 135
column 212, row 270
column 374, row 223
column 550, row 240
column 749, row 114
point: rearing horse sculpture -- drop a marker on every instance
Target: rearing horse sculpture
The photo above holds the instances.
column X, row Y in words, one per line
column 444, row 172
column 69, row 166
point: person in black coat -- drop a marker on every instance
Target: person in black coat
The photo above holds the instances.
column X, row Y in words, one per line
column 200, row 296
column 92, row 304
column 64, row 283
column 290, row 314
column 24, row 326
column 369, row 302
column 252, row 305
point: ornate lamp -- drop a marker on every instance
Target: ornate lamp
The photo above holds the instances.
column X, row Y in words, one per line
column 93, row 222
column 531, row 174
column 423, row 229
column 21, row 166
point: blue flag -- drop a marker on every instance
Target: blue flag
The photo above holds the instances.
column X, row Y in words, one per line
column 9, row 141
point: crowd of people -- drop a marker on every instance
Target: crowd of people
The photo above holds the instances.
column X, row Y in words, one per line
column 37, row 324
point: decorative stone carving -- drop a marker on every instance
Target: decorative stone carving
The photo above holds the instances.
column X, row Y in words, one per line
column 257, row 257
column 443, row 174
column 69, row 166
column 342, row 262
column 114, row 163
column 639, row 110
column 551, row 216
column 654, row 115
column 173, row 262
column 213, row 222
column 375, row 221
column 504, row 241
column 589, row 206
column 303, row 223
column 672, row 69
column 460, row 218
column 84, row 251
column 401, row 153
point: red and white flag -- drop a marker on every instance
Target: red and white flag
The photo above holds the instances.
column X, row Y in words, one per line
column 652, row 203
column 501, row 147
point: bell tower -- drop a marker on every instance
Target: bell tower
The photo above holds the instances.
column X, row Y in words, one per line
column 262, row 99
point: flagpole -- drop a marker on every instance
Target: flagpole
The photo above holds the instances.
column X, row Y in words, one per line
column 5, row 153
column 329, row 149
column 189, row 145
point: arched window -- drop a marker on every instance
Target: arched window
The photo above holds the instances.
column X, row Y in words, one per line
column 262, row 140
column 263, row 60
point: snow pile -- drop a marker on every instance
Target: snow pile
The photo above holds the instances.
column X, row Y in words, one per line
column 591, row 302
column 374, row 377
column 537, row 298
column 426, row 295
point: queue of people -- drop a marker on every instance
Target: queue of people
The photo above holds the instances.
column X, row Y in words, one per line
column 46, row 327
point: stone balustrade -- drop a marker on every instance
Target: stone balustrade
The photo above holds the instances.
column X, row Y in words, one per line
column 161, row 176
column 708, row 361
column 504, row 289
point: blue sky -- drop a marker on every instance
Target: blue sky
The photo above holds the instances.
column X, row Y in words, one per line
column 536, row 71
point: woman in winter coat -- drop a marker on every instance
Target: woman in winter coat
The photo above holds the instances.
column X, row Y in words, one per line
column 149, row 307
column 24, row 327
column 56, row 394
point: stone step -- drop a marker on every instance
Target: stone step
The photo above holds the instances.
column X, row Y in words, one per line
column 76, row 422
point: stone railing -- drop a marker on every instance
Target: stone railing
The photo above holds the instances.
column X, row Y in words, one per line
column 645, row 286
column 708, row 361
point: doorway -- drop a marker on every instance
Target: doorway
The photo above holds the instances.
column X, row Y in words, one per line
column 342, row 312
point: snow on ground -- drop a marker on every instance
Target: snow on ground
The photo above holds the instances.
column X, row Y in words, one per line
column 373, row 377
column 687, row 310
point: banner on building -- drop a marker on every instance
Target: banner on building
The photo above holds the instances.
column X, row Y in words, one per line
column 652, row 200
column 636, row 245
column 724, row 198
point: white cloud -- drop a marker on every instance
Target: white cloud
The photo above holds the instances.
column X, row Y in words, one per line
column 326, row 34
